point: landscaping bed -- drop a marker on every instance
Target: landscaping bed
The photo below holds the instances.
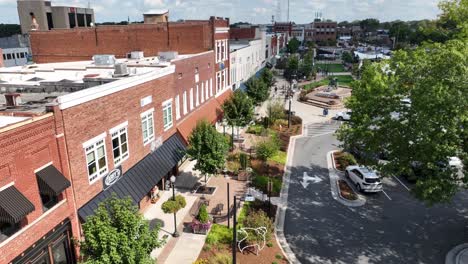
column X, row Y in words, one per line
column 205, row 190
column 218, row 244
column 343, row 160
column 346, row 191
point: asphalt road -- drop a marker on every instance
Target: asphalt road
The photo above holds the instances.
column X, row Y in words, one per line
column 390, row 228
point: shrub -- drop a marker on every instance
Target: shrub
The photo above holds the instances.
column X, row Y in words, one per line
column 267, row 149
column 172, row 206
column 280, row 157
column 255, row 129
column 206, row 248
column 345, row 159
column 257, row 219
column 295, row 120
column 221, row 258
column 261, row 183
column 243, row 160
column 278, row 256
column 203, row 214
column 219, row 234
column 201, row 261
column 269, row 244
column 274, row 262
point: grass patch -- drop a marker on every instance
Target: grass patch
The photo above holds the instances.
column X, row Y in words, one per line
column 280, row 157
column 261, row 183
column 344, row 80
column 333, row 67
column 314, row 85
column 219, row 234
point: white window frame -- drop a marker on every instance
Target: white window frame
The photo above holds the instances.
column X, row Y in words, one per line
column 202, row 92
column 191, row 99
column 92, row 146
column 197, row 99
column 149, row 116
column 177, row 107
column 184, row 99
column 117, row 132
column 167, row 117
column 211, row 86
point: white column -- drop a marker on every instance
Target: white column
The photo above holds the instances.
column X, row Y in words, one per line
column 202, row 92
column 197, row 101
column 206, row 90
column 191, row 99
column 211, row 86
column 177, row 107
column 185, row 102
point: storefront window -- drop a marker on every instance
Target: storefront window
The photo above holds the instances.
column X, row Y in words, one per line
column 59, row 252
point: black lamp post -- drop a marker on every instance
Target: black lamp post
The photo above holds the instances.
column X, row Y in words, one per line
column 173, row 179
column 234, row 232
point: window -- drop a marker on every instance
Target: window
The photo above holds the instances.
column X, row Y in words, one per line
column 81, row 20
column 191, row 99
column 196, row 70
column 8, row 56
column 147, row 126
column 197, row 101
column 202, row 92
column 72, row 20
column 8, row 229
column 22, row 55
column 96, row 159
column 120, row 143
column 177, row 107
column 179, row 76
column 89, row 20
column 48, row 201
column 185, row 102
column 167, row 114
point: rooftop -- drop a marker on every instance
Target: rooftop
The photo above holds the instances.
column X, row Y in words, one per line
column 71, row 83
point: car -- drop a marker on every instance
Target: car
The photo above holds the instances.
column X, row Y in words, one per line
column 343, row 116
column 364, row 178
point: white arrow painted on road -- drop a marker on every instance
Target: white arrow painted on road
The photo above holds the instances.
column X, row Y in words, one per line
column 306, row 178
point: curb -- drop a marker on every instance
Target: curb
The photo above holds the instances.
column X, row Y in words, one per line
column 283, row 205
column 454, row 255
column 334, row 184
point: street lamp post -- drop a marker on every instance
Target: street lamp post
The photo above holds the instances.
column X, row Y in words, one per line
column 173, row 179
column 234, row 232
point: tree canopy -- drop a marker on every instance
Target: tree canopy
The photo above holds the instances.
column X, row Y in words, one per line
column 257, row 90
column 207, row 147
column 7, row 30
column 293, row 45
column 238, row 109
column 118, row 233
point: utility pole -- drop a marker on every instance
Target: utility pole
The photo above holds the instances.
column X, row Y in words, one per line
column 288, row 12
column 234, row 233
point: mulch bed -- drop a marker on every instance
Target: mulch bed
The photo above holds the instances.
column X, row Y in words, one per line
column 336, row 156
column 267, row 256
column 273, row 169
column 346, row 191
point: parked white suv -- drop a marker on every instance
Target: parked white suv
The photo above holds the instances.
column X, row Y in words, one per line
column 364, row 179
column 343, row 116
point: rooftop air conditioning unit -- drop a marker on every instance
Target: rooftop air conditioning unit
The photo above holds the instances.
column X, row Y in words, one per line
column 104, row 60
column 168, row 55
column 120, row 70
column 136, row 55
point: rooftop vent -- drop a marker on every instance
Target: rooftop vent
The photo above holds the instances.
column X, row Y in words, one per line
column 120, row 70
column 168, row 55
column 136, row 55
column 104, row 60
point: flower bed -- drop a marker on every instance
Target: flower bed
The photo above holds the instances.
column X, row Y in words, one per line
column 346, row 191
column 343, row 160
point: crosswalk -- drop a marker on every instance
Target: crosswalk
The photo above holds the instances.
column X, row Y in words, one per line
column 323, row 128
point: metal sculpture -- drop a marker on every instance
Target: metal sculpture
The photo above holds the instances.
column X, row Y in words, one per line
column 260, row 231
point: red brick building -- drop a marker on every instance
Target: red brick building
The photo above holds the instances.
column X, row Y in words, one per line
column 37, row 207
column 242, row 33
column 324, row 31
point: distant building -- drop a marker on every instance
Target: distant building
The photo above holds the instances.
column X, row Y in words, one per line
column 324, row 31
column 156, row 16
column 41, row 15
column 15, row 57
column 283, row 27
column 298, row 32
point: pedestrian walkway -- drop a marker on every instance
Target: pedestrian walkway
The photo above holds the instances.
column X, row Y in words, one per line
column 187, row 248
column 322, row 128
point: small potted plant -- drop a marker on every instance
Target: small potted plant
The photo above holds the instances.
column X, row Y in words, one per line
column 201, row 224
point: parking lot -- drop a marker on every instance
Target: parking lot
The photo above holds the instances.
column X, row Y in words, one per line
column 392, row 226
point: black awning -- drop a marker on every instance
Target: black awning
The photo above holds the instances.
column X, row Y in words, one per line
column 13, row 205
column 138, row 181
column 51, row 181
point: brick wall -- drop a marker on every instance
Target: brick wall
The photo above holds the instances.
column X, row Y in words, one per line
column 242, row 33
column 23, row 150
column 83, row 43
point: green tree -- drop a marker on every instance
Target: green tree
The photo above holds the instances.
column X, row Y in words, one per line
column 7, row 30
column 293, row 45
column 369, row 24
column 267, row 77
column 267, row 148
column 203, row 216
column 238, row 110
column 423, row 134
column 348, row 57
column 275, row 111
column 118, row 233
column 208, row 147
column 291, row 68
column 257, row 90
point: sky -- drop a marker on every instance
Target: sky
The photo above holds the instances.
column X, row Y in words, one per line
column 253, row 11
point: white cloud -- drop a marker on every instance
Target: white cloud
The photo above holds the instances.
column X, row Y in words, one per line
column 255, row 11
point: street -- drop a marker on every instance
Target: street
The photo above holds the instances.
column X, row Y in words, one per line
column 392, row 227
